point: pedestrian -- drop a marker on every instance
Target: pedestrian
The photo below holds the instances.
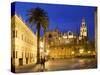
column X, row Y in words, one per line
column 43, row 63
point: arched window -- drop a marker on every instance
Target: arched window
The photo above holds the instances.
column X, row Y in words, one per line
column 50, row 36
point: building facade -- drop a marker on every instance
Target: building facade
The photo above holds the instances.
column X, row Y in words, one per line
column 68, row 44
column 51, row 38
column 24, row 44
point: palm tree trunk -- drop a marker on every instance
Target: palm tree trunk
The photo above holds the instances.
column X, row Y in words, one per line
column 38, row 43
column 44, row 40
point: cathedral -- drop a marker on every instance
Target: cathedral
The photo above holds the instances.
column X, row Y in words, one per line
column 57, row 38
column 60, row 45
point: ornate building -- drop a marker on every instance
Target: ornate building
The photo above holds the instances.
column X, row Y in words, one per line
column 52, row 38
column 62, row 45
column 69, row 38
column 23, row 43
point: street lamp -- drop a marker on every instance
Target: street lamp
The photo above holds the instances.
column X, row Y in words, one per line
column 73, row 52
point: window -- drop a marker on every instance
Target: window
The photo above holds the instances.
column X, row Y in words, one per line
column 13, row 54
column 13, row 34
column 70, row 33
column 50, row 36
column 16, row 53
column 16, row 33
column 22, row 36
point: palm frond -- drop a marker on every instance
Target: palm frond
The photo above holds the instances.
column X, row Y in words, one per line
column 37, row 16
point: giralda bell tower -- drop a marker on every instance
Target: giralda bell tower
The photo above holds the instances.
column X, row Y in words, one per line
column 83, row 30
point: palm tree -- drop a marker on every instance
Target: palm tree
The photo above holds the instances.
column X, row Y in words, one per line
column 38, row 17
column 45, row 25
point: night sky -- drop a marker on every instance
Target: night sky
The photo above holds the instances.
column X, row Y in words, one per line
column 64, row 17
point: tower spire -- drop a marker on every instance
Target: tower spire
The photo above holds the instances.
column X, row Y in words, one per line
column 83, row 29
column 83, row 21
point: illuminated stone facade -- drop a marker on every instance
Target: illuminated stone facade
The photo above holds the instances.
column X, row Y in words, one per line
column 61, row 45
column 24, row 44
column 57, row 44
column 83, row 30
column 52, row 38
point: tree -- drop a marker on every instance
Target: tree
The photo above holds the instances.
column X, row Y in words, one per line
column 38, row 17
column 45, row 25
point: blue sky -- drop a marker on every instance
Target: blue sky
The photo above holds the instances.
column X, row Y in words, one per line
column 66, row 17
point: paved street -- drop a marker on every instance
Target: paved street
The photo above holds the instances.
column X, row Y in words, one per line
column 61, row 64
column 69, row 64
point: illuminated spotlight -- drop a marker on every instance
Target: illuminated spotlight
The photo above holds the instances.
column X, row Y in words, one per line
column 81, row 51
column 89, row 51
column 73, row 52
